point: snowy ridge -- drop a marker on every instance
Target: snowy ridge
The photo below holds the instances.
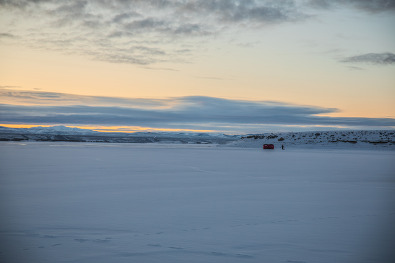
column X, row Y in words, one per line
column 64, row 130
column 336, row 139
column 327, row 139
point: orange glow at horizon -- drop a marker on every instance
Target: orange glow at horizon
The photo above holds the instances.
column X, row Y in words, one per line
column 121, row 129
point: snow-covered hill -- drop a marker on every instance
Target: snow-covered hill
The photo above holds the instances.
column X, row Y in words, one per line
column 336, row 139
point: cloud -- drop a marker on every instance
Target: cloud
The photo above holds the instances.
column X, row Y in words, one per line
column 6, row 35
column 17, row 96
column 20, row 3
column 252, row 11
column 150, row 32
column 113, row 31
column 373, row 6
column 372, row 58
column 193, row 112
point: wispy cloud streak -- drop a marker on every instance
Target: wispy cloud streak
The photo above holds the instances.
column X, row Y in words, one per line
column 373, row 6
column 372, row 58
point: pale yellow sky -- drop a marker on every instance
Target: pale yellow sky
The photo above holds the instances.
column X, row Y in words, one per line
column 356, row 93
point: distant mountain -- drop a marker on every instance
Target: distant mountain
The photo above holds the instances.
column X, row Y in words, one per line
column 63, row 133
column 60, row 129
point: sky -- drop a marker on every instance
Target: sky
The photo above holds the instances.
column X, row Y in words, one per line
column 198, row 65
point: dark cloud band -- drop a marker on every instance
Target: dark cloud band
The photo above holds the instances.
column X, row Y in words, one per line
column 192, row 112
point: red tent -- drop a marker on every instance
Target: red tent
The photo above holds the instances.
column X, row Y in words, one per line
column 268, row 146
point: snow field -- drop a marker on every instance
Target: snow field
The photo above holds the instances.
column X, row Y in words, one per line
column 78, row 202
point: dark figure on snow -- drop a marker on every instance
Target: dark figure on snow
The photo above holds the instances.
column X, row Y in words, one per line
column 282, row 146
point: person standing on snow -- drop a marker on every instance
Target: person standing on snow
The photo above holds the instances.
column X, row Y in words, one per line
column 282, row 146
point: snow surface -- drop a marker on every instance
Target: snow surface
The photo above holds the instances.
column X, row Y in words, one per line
column 96, row 202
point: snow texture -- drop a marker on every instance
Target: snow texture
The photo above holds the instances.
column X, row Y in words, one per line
column 96, row 202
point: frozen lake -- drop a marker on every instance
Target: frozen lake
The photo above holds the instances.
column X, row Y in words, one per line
column 79, row 202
